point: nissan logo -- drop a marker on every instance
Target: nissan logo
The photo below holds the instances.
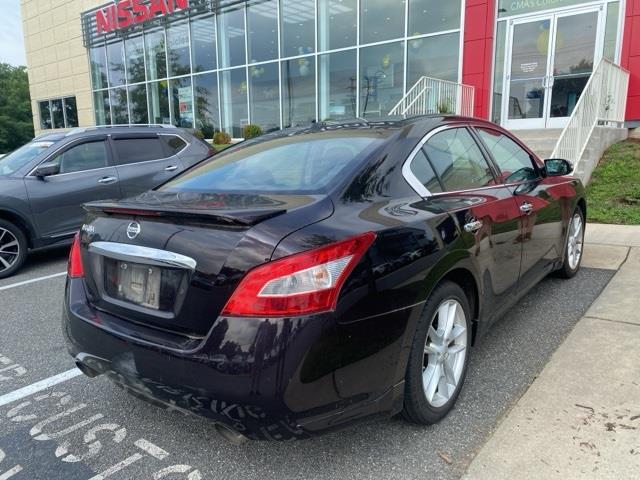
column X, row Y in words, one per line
column 133, row 230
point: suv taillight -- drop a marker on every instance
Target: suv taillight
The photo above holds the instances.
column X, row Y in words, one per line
column 301, row 284
column 75, row 268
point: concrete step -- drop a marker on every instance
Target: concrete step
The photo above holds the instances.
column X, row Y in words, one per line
column 538, row 134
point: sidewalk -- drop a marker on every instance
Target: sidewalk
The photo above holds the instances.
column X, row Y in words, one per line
column 581, row 416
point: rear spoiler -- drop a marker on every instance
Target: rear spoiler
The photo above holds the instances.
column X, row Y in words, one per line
column 243, row 218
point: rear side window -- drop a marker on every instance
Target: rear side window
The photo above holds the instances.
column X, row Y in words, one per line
column 422, row 170
column 514, row 162
column 134, row 150
column 458, row 161
column 173, row 143
column 293, row 164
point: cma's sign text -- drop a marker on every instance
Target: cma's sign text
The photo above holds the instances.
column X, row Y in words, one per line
column 131, row 12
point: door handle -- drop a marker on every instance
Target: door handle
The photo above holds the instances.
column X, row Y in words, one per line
column 526, row 208
column 473, row 226
column 108, row 180
column 172, row 168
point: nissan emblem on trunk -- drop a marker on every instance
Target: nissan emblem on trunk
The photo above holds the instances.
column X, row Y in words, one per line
column 133, row 230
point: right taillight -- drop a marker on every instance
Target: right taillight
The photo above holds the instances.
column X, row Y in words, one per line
column 301, row 284
column 75, row 268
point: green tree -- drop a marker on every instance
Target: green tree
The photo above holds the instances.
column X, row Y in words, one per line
column 16, row 120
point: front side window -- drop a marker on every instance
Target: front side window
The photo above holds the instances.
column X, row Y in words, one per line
column 513, row 161
column 86, row 156
column 292, row 164
column 458, row 161
column 134, row 150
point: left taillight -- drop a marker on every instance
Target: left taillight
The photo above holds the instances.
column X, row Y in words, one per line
column 75, row 268
column 301, row 284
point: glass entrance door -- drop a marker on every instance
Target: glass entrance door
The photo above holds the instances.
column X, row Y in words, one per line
column 550, row 60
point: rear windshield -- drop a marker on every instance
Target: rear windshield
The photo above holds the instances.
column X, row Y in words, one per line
column 296, row 164
column 19, row 158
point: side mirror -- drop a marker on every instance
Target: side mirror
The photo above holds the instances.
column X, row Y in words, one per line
column 557, row 167
column 47, row 169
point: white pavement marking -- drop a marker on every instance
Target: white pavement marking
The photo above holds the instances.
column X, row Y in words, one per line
column 38, row 386
column 33, row 280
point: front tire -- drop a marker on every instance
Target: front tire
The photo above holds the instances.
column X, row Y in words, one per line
column 574, row 246
column 439, row 356
column 13, row 248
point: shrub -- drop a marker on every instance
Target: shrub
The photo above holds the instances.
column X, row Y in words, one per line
column 207, row 130
column 198, row 134
column 221, row 138
column 251, row 131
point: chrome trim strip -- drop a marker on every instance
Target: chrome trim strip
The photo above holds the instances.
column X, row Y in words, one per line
column 144, row 255
column 408, row 175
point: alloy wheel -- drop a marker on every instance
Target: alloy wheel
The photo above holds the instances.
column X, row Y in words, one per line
column 444, row 353
column 9, row 249
column 575, row 241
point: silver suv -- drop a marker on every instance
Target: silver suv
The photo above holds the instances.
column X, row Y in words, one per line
column 44, row 183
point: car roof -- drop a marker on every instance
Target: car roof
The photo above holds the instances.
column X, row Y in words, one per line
column 111, row 129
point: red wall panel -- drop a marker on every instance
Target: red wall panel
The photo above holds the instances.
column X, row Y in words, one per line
column 631, row 57
column 477, row 53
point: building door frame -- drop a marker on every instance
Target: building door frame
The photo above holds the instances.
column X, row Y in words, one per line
column 547, row 83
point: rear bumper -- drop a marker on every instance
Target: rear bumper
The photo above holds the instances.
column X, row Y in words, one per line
column 269, row 379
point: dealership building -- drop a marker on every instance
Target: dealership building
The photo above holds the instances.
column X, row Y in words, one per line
column 223, row 64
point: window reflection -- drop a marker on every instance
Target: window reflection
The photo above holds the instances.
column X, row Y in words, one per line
column 264, row 90
column 337, row 24
column 135, row 59
column 203, row 43
column 115, row 63
column 337, row 85
column 435, row 57
column 298, row 91
column 138, row 104
column 381, row 20
column 98, row 59
column 182, row 102
column 156, row 57
column 119, row 110
column 70, row 112
column 262, row 24
column 57, row 114
column 178, row 49
column 101, row 107
column 381, row 78
column 45, row 115
column 158, row 96
column 233, row 98
column 297, row 27
column 429, row 16
column 231, row 38
column 206, row 106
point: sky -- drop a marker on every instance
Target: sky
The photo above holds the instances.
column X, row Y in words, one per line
column 11, row 38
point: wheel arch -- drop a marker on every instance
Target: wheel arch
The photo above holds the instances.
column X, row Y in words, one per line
column 21, row 222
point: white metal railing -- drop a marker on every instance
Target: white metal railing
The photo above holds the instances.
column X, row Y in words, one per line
column 432, row 96
column 603, row 102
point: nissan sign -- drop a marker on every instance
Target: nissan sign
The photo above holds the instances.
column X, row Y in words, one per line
column 133, row 12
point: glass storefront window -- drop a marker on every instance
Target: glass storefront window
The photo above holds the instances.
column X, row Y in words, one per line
column 101, row 107
column 381, row 78
column 337, row 24
column 507, row 8
column 135, row 59
column 262, row 31
column 45, row 115
column 233, row 98
column 298, row 91
column 119, row 109
column 178, row 49
column 203, row 43
column 231, row 38
column 264, row 91
column 429, row 16
column 138, row 104
column 337, row 82
column 182, row 102
column 498, row 78
column 297, row 27
column 206, row 98
column 98, row 59
column 158, row 95
column 381, row 20
column 156, row 56
column 115, row 64
column 611, row 30
column 70, row 112
column 435, row 57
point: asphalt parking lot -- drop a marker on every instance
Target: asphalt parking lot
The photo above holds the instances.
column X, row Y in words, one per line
column 90, row 429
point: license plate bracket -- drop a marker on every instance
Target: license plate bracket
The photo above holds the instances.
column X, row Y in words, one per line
column 139, row 284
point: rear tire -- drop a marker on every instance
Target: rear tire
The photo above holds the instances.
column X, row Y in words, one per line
column 574, row 246
column 13, row 248
column 439, row 356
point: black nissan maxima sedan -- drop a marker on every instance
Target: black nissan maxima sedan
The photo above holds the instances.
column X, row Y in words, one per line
column 311, row 277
